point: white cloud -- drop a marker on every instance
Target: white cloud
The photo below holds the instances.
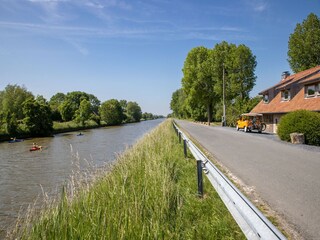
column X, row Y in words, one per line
column 80, row 48
column 94, row 5
column 67, row 33
column 261, row 7
column 257, row 5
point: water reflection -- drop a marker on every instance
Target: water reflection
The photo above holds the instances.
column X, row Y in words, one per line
column 23, row 174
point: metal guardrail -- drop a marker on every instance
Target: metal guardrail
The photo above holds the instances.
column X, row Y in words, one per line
column 251, row 221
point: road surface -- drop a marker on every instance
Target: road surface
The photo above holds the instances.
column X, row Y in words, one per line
column 285, row 176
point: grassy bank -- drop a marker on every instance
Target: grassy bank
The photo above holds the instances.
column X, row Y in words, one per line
column 151, row 193
column 60, row 127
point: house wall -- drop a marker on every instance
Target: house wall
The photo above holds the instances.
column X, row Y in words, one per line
column 272, row 121
column 276, row 120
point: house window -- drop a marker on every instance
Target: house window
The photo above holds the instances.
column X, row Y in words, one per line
column 318, row 88
column 266, row 98
column 310, row 90
column 285, row 95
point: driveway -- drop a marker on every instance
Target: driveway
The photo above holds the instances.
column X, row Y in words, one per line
column 285, row 176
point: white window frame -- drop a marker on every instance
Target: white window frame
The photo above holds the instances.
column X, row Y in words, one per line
column 283, row 95
column 307, row 91
column 266, row 98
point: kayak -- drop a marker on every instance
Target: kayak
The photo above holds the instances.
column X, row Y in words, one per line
column 35, row 149
column 15, row 140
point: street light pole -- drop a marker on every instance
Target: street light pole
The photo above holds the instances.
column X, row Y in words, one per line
column 223, row 98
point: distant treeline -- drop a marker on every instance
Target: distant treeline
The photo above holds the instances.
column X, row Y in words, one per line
column 21, row 113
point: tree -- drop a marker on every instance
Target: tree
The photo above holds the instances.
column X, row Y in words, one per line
column 233, row 68
column 178, row 103
column 94, row 103
column 84, row 112
column 304, row 44
column 226, row 71
column 37, row 117
column 123, row 104
column 54, row 103
column 11, row 100
column 111, row 112
column 11, row 123
column 240, row 78
column 72, row 102
column 198, row 81
column 66, row 110
column 133, row 112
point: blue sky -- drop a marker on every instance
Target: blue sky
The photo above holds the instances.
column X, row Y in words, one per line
column 135, row 50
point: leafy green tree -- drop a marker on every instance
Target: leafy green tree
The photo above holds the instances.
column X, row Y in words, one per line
column 11, row 100
column 123, row 104
column 178, row 104
column 37, row 117
column 240, row 76
column 111, row 112
column 133, row 112
column 66, row 110
column 304, row 44
column 208, row 75
column 40, row 99
column 95, row 117
column 198, row 81
column 233, row 67
column 84, row 112
column 11, row 123
column 94, row 103
column 72, row 102
column 147, row 116
column 54, row 103
column 252, row 103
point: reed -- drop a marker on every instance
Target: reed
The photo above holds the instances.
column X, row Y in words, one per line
column 149, row 193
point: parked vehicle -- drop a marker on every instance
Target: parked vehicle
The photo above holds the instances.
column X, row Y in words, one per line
column 250, row 122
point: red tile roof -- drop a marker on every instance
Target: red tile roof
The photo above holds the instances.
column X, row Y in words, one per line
column 303, row 76
column 276, row 105
column 298, row 102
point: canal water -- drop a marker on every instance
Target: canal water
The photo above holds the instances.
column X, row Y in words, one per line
column 24, row 175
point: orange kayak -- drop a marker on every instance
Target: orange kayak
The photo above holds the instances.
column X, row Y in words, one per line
column 35, row 148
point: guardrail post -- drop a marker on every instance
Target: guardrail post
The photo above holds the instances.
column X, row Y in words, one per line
column 179, row 137
column 185, row 147
column 200, row 180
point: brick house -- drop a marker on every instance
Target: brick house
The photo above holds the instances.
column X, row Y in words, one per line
column 293, row 92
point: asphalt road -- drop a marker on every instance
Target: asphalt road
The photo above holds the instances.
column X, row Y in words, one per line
column 286, row 176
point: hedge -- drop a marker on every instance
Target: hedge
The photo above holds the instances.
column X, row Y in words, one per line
column 301, row 121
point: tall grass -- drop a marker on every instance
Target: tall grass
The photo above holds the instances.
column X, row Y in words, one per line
column 73, row 126
column 150, row 193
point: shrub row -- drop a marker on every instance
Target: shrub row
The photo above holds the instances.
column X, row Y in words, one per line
column 301, row 121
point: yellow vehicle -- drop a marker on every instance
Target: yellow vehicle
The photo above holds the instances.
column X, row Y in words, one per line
column 251, row 121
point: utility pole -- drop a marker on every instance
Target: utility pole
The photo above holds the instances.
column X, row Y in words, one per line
column 223, row 98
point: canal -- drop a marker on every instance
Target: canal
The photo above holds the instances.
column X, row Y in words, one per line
column 24, row 175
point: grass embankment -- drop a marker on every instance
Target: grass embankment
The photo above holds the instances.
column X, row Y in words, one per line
column 150, row 193
column 59, row 127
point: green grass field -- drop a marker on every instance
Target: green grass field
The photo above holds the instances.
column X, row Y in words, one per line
column 149, row 193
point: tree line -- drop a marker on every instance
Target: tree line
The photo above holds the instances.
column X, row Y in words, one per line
column 214, row 78
column 220, row 79
column 23, row 113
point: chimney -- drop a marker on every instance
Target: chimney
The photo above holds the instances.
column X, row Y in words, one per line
column 284, row 75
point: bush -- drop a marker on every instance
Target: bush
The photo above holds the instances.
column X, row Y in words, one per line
column 301, row 121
